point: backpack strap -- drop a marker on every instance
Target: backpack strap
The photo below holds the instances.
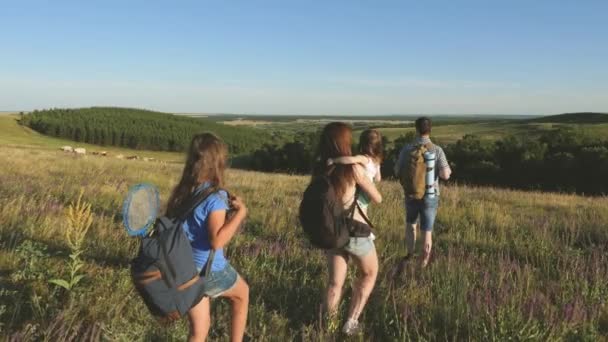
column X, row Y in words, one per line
column 195, row 200
column 358, row 208
column 365, row 218
column 209, row 263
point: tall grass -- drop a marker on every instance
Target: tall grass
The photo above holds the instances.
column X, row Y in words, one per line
column 506, row 264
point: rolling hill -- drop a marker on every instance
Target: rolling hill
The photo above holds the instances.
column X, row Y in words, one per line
column 137, row 128
column 573, row 118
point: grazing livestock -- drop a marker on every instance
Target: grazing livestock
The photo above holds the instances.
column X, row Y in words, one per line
column 80, row 150
column 67, row 148
column 132, row 157
column 120, row 156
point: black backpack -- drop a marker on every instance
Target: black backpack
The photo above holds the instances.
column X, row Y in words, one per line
column 164, row 272
column 326, row 226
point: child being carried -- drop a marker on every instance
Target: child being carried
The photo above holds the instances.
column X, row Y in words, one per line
column 372, row 153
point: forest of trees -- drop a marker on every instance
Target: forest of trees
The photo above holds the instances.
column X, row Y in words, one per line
column 139, row 129
column 561, row 160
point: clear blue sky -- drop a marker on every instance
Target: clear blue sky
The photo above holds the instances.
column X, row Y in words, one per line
column 307, row 57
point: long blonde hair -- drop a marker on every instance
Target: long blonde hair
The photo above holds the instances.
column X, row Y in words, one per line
column 205, row 162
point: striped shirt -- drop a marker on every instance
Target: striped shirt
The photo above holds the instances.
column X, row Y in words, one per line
column 440, row 163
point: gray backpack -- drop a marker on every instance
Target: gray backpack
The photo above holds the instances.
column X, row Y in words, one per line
column 164, row 272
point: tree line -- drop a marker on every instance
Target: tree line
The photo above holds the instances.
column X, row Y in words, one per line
column 563, row 160
column 560, row 160
column 139, row 129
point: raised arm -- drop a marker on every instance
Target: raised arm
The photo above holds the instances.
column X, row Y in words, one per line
column 366, row 184
column 222, row 230
column 359, row 159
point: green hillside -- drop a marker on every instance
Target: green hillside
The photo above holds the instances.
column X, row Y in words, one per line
column 574, row 118
column 137, row 128
column 14, row 135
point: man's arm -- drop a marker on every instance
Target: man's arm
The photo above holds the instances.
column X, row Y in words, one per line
column 399, row 163
column 443, row 166
column 445, row 173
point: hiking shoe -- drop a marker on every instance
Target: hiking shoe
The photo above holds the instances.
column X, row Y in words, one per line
column 351, row 327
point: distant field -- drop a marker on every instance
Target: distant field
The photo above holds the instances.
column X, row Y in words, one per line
column 448, row 134
column 246, row 122
column 446, row 131
column 392, row 118
column 574, row 118
column 253, row 122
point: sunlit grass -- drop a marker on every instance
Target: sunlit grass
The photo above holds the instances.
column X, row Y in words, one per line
column 507, row 264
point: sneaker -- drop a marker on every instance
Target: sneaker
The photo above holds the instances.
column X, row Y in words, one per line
column 351, row 327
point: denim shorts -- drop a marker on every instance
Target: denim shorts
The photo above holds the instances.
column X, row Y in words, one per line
column 358, row 246
column 425, row 209
column 218, row 282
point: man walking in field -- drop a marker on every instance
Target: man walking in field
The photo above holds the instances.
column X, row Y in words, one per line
column 415, row 168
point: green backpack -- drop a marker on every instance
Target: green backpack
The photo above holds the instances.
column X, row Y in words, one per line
column 412, row 174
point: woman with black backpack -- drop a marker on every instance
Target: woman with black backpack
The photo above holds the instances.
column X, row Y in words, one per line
column 346, row 181
column 209, row 230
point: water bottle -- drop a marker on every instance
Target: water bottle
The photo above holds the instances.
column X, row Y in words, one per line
column 429, row 160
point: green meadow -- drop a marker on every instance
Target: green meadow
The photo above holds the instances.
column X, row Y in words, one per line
column 15, row 135
column 507, row 265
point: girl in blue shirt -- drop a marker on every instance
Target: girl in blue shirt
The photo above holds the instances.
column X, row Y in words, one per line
column 208, row 228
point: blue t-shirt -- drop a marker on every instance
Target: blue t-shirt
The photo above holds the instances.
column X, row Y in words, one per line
column 195, row 228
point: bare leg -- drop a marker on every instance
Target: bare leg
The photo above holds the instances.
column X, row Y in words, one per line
column 368, row 267
column 338, row 265
column 200, row 320
column 410, row 237
column 428, row 245
column 239, row 296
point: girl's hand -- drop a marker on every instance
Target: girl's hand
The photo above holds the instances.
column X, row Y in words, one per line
column 237, row 203
column 330, row 162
